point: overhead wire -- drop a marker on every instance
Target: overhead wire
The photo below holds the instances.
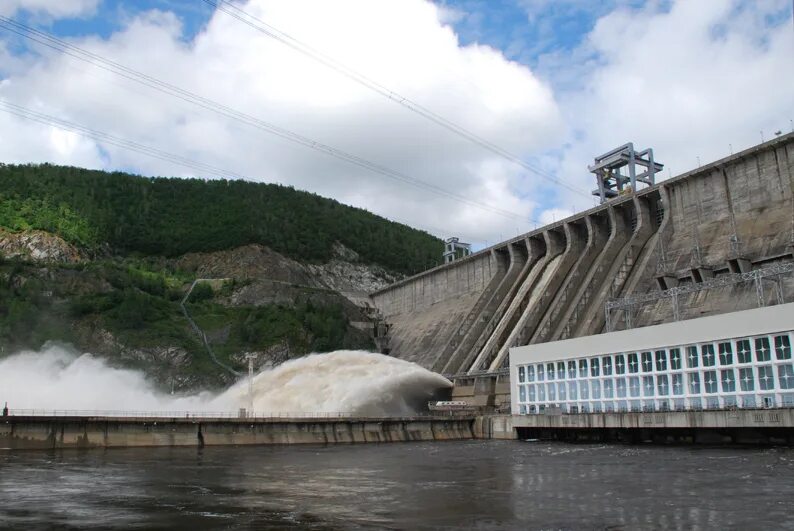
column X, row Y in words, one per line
column 106, row 138
column 52, row 42
column 258, row 24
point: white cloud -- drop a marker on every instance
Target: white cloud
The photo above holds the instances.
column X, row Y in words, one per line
column 400, row 43
column 687, row 81
column 50, row 8
column 686, row 78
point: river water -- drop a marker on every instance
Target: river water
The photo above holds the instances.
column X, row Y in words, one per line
column 442, row 485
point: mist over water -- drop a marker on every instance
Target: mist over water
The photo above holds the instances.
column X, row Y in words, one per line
column 343, row 381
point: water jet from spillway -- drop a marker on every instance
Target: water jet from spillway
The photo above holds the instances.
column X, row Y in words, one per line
column 356, row 382
column 350, row 382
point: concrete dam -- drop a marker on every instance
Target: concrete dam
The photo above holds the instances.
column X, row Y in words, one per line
column 716, row 239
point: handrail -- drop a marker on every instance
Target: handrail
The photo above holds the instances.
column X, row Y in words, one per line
column 201, row 415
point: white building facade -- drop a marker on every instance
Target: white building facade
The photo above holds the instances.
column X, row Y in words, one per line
column 741, row 359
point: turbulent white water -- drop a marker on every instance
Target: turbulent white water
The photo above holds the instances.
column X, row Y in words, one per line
column 343, row 381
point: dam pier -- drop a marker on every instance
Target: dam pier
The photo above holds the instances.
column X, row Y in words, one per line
column 80, row 430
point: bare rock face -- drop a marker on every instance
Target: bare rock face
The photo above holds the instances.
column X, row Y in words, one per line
column 260, row 264
column 38, row 246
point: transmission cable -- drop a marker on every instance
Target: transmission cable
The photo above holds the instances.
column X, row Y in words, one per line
column 98, row 61
column 105, row 138
column 258, row 24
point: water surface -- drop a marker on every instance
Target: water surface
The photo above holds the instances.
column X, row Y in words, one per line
column 451, row 485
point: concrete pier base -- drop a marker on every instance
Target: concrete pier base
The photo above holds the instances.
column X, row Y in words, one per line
column 98, row 432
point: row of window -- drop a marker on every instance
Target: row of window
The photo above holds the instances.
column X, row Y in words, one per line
column 635, row 362
column 750, row 379
column 678, row 404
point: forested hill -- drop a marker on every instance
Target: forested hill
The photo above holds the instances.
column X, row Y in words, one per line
column 170, row 217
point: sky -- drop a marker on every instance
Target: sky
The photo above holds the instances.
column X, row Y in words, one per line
column 546, row 84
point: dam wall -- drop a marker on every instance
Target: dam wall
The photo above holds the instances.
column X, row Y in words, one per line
column 727, row 218
column 39, row 432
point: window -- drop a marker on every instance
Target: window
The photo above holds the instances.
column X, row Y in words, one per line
column 695, row 403
column 634, row 386
column 620, row 364
column 647, row 385
column 692, row 357
column 522, row 409
column 606, row 364
column 762, row 350
column 710, row 381
column 694, row 383
column 675, row 359
column 572, row 391
column 530, row 373
column 728, row 381
column 583, row 391
column 561, row 391
column 707, row 352
column 583, row 368
column 766, row 380
column 746, row 381
column 608, row 389
column 521, row 374
column 678, row 384
column 541, row 393
column 785, row 375
column 726, row 354
column 571, row 369
column 531, row 393
column 662, row 385
column 620, row 385
column 634, row 365
column 550, row 392
column 661, row 360
column 743, row 351
column 596, row 388
column 549, row 371
column 541, row 372
column 522, row 393
column 560, row 370
column 647, row 362
column 594, row 367
column 782, row 348
column 748, row 401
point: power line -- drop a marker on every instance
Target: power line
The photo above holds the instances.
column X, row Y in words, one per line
column 98, row 61
column 258, row 24
column 105, row 138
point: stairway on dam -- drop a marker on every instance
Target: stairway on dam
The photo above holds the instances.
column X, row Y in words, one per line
column 733, row 215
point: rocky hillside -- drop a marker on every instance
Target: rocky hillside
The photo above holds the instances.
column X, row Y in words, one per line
column 104, row 261
column 248, row 300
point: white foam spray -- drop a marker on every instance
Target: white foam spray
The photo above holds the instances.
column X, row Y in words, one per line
column 345, row 381
column 356, row 382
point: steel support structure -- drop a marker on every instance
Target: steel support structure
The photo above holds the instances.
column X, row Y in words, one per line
column 607, row 169
column 773, row 272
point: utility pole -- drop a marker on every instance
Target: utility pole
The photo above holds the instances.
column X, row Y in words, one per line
column 250, row 358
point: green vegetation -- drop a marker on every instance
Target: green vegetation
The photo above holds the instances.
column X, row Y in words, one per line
column 169, row 217
column 137, row 302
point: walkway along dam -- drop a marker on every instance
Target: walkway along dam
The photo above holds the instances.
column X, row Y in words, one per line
column 717, row 239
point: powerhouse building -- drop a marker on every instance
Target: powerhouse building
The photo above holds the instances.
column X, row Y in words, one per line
column 735, row 360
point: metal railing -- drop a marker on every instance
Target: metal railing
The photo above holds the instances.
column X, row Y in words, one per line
column 200, row 415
